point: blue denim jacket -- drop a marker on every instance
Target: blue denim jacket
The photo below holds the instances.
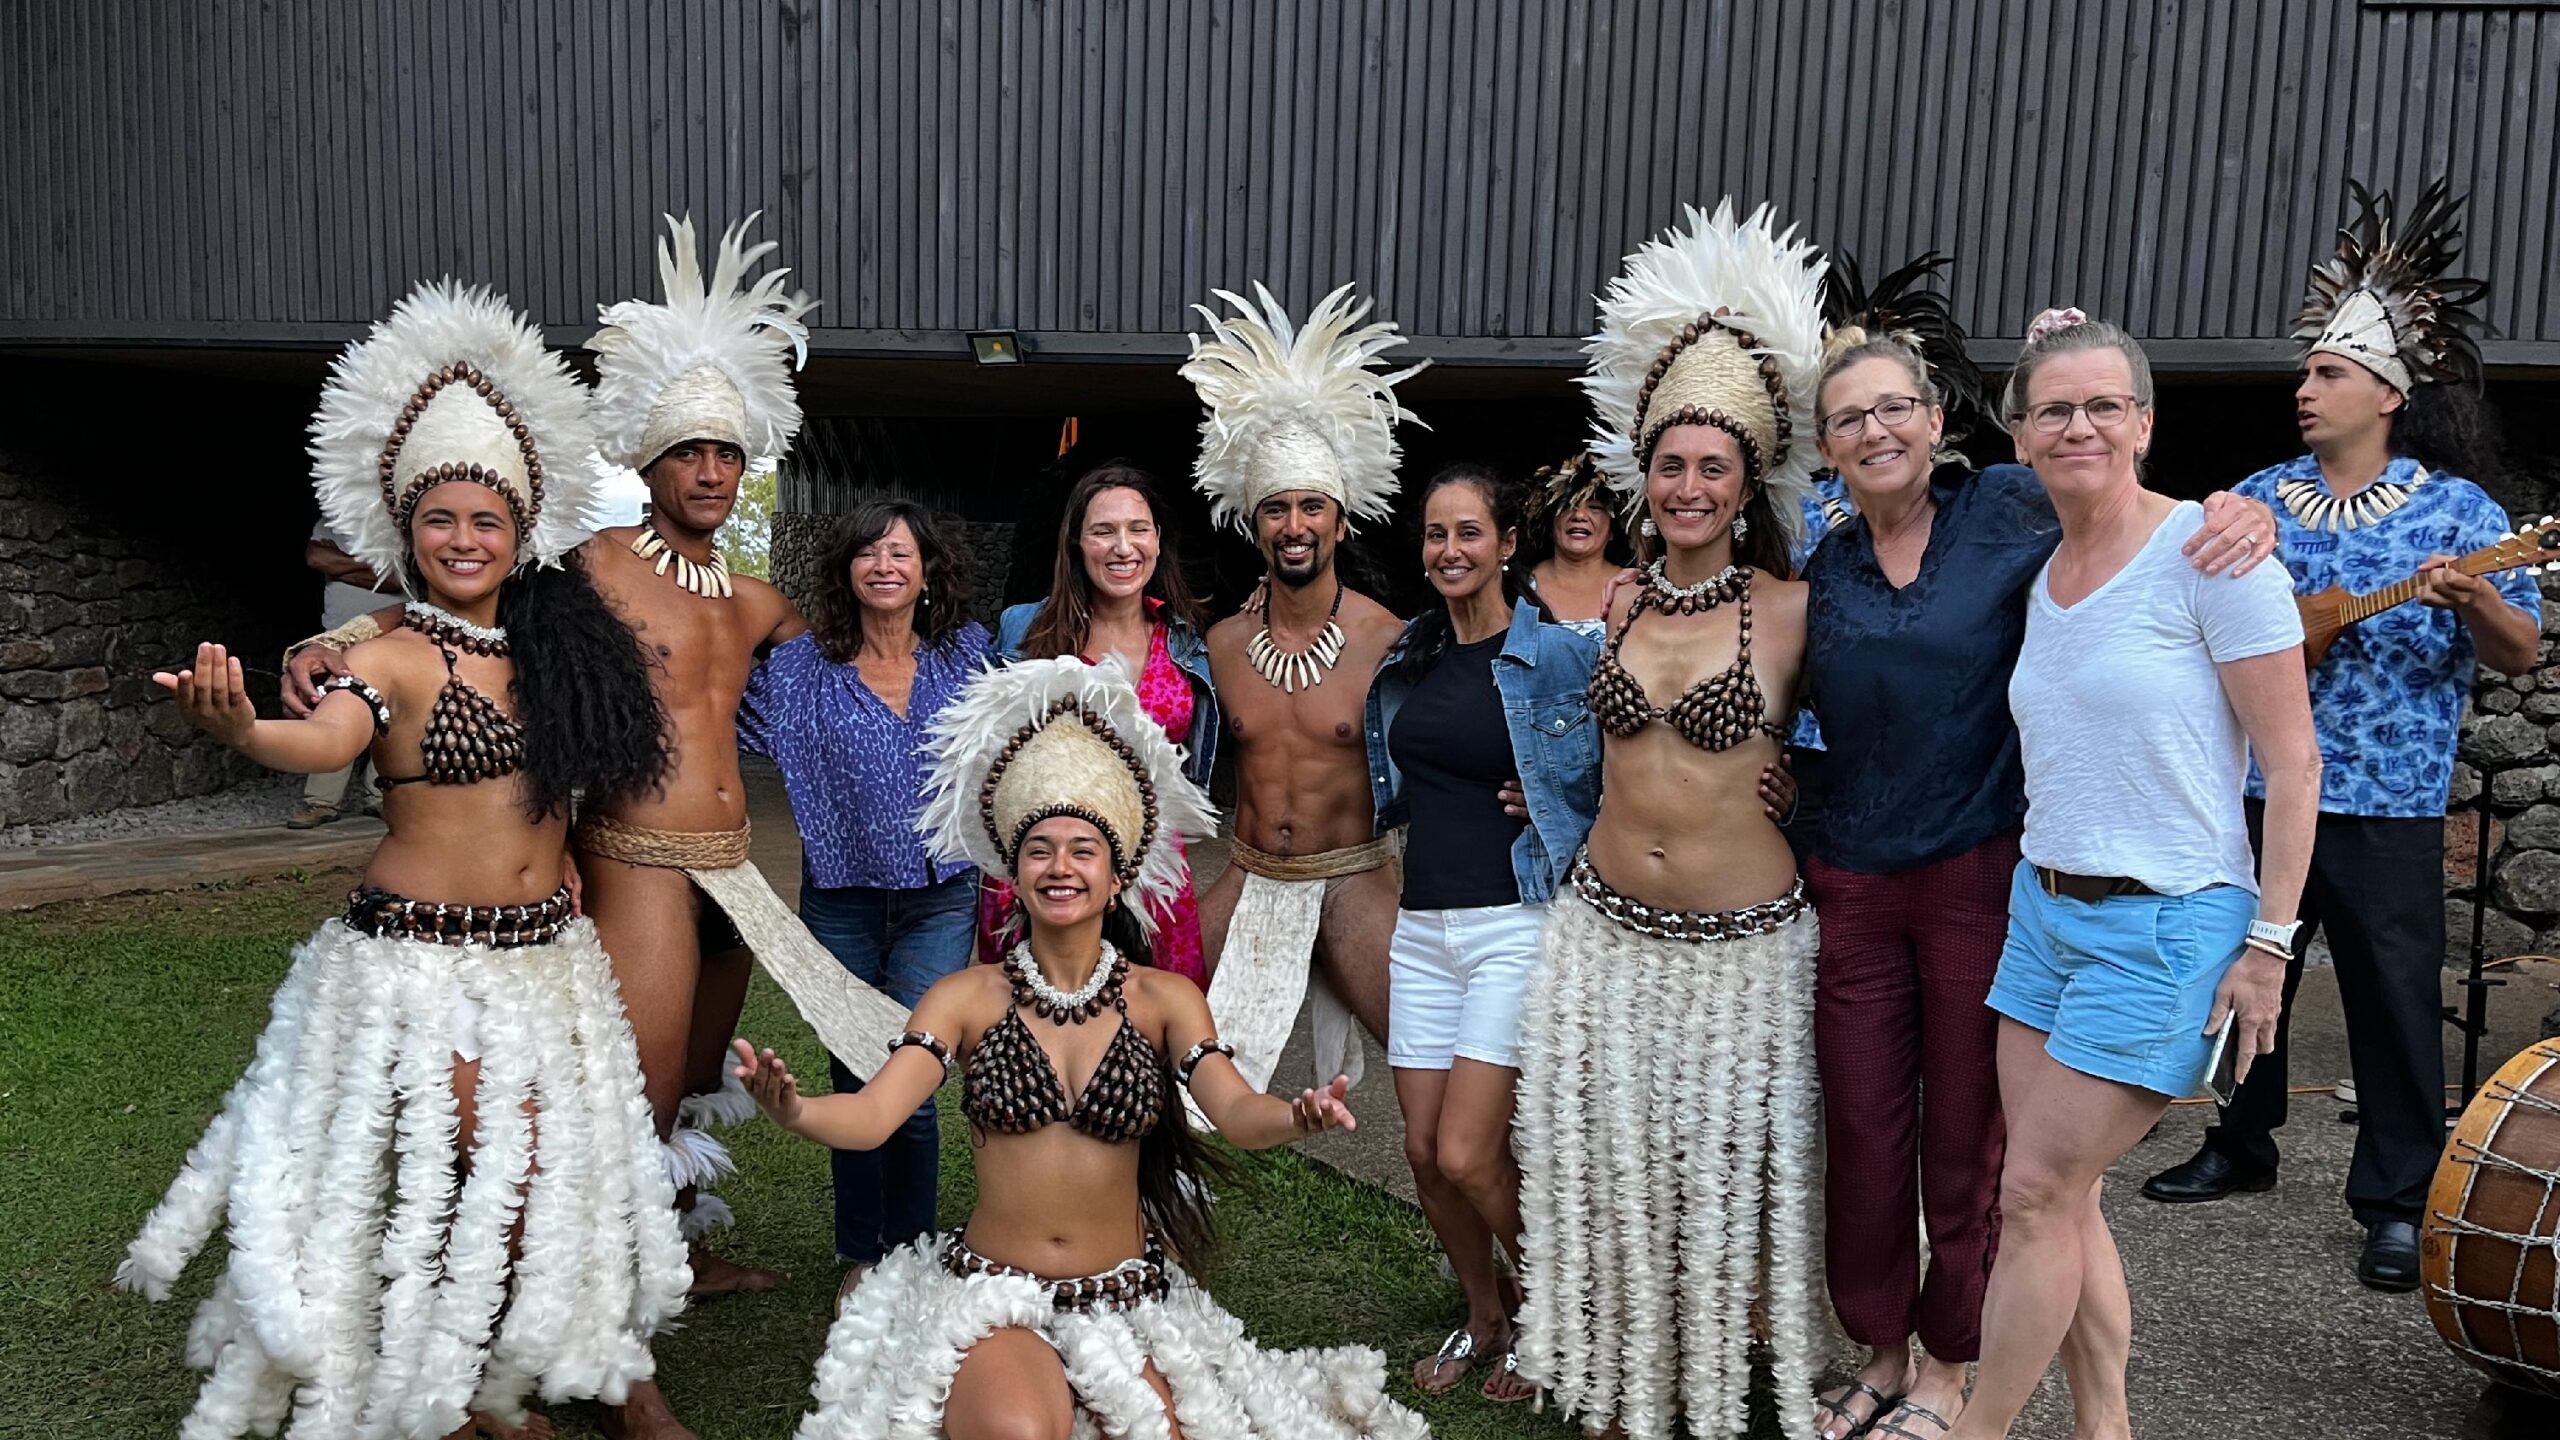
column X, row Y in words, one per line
column 1544, row 674
column 1188, row 648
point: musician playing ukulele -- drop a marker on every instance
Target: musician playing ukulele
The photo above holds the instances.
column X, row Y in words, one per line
column 2379, row 499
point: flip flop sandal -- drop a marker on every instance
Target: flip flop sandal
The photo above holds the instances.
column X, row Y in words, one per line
column 1508, row 1368
column 1892, row 1424
column 1840, row 1408
column 1459, row 1350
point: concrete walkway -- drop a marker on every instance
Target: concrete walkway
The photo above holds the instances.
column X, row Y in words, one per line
column 2248, row 1319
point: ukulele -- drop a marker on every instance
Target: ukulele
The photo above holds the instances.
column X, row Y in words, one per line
column 2327, row 615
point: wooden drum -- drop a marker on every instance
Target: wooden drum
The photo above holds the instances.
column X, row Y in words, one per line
column 2491, row 1257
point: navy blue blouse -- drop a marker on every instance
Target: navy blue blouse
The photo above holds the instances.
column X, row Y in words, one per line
column 1912, row 685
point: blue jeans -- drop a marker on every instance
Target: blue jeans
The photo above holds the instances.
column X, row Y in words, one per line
column 898, row 942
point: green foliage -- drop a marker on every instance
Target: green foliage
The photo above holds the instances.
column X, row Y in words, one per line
column 746, row 542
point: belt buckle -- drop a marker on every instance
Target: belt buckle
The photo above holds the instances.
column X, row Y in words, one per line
column 2049, row 880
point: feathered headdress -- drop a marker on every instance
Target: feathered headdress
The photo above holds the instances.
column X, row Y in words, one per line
column 1569, row 484
column 1905, row 307
column 1717, row 322
column 453, row 385
column 710, row 362
column 1061, row 737
column 2384, row 300
column 1296, row 408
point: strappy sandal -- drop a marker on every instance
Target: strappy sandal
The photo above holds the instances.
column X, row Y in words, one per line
column 1892, row 1424
column 1840, row 1407
column 1508, row 1368
column 1459, row 1350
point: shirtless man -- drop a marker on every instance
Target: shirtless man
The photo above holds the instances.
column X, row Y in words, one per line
column 1298, row 445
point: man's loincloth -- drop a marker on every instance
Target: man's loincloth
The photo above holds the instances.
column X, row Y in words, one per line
column 1264, row 967
column 854, row 1021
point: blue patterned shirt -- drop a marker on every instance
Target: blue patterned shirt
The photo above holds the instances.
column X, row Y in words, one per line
column 2387, row 701
column 854, row 767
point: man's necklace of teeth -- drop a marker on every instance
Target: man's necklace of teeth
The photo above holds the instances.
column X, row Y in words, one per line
column 1295, row 670
column 710, row 581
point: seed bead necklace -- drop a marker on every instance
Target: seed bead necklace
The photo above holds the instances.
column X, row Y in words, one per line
column 1076, row 1006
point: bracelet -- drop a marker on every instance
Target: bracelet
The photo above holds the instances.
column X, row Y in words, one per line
column 345, row 637
column 2268, row 947
column 924, row 1040
column 1191, row 1059
column 364, row 692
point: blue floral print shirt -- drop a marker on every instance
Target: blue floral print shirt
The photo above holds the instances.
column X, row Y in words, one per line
column 2387, row 700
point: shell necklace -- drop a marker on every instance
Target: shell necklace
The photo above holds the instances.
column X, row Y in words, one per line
column 1706, row 594
column 453, row 632
column 2317, row 509
column 1051, row 1003
column 1294, row 670
column 710, row 581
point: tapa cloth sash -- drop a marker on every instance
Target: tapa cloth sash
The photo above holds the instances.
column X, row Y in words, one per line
column 1270, row 949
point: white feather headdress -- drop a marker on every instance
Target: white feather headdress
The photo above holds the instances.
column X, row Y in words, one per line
column 1061, row 737
column 1716, row 322
column 1296, row 407
column 709, row 362
column 453, row 385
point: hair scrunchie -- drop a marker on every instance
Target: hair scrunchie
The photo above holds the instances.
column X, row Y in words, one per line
column 2060, row 318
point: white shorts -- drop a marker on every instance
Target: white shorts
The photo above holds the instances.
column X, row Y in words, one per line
column 1454, row 982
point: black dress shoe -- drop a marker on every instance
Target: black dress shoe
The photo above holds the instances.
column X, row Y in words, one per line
column 2211, row 1175
column 2390, row 1256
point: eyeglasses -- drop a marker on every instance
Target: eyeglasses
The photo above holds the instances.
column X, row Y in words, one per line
column 1890, row 411
column 2104, row 411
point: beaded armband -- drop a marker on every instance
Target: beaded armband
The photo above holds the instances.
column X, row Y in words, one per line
column 924, row 1040
column 1191, row 1058
column 366, row 693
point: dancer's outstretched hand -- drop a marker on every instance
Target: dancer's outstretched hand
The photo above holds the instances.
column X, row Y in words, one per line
column 1317, row 1110
column 769, row 1081
column 212, row 695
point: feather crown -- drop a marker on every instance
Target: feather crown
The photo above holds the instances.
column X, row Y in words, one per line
column 1715, row 322
column 1041, row 738
column 2385, row 301
column 452, row 385
column 1569, row 484
column 1906, row 308
column 711, row 361
column 1296, row 407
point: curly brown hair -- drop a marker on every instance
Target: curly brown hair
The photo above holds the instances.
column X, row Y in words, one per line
column 835, row 615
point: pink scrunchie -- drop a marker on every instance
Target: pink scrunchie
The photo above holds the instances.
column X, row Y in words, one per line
column 2051, row 320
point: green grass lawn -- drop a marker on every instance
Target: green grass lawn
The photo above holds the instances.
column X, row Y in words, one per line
column 122, row 1023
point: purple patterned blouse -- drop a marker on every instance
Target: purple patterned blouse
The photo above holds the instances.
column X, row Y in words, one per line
column 855, row 770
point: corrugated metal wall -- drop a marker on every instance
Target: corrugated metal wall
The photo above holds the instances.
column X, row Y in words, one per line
column 1082, row 169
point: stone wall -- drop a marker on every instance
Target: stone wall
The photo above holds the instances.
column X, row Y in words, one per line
column 112, row 566
column 2511, row 739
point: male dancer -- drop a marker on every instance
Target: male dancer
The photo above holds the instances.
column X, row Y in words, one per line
column 2386, row 404
column 1299, row 442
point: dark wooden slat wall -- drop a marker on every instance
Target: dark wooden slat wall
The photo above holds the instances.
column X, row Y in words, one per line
column 1083, row 170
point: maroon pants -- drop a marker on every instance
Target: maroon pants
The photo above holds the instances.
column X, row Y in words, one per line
column 1911, row 1092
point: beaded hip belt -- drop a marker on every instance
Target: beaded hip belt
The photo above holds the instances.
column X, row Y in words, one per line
column 1694, row 926
column 1124, row 1286
column 378, row 912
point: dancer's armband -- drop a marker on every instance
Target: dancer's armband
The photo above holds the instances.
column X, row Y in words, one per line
column 924, row 1040
column 1202, row 1051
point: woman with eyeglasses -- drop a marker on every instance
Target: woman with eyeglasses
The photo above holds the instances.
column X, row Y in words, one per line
column 1918, row 602
column 2139, row 926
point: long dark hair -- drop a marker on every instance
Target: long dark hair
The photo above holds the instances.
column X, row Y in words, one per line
column 1065, row 619
column 593, row 725
column 835, row 615
column 1763, row 545
column 2448, row 426
column 1432, row 630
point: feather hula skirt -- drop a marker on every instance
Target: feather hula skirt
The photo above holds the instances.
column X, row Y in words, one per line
column 370, row 1289
column 894, row 1350
column 1666, row 1131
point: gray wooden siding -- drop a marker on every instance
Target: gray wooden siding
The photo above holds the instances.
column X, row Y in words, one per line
column 1080, row 170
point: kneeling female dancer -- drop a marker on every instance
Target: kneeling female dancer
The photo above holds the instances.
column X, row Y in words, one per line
column 1666, row 1055
column 1059, row 1304
column 441, row 1182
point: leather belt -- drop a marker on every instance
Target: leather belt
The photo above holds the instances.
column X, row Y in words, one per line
column 2089, row 888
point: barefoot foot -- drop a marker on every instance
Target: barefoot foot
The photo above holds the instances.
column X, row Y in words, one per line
column 645, row 1416
column 713, row 1276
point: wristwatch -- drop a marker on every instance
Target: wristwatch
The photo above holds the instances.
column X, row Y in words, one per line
column 2269, row 933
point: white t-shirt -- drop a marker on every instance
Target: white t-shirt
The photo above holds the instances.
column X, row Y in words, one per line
column 2134, row 757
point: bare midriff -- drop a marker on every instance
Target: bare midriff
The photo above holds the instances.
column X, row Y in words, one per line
column 1021, row 1218
column 467, row 845
column 1682, row 828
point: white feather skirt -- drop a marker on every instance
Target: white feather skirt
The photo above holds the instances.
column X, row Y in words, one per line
column 892, row 1353
column 1666, row 1134
column 371, row 1291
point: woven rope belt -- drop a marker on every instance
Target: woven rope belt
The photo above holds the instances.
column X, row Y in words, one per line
column 1332, row 864
column 665, row 849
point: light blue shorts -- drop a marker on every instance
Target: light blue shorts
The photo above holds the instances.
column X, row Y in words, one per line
column 2121, row 987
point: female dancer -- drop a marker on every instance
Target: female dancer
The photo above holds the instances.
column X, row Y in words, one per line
column 1478, row 690
column 2138, row 924
column 1666, row 1080
column 439, row 1173
column 1118, row 589
column 1059, row 1299
column 1574, row 546
column 842, row 710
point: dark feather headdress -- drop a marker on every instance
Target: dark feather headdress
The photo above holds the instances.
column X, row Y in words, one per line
column 1905, row 306
column 2385, row 300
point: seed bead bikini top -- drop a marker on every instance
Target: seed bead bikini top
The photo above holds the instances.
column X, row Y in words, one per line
column 1013, row 1088
column 468, row 738
column 1717, row 713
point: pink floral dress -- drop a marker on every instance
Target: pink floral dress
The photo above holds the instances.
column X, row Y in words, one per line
column 1165, row 692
